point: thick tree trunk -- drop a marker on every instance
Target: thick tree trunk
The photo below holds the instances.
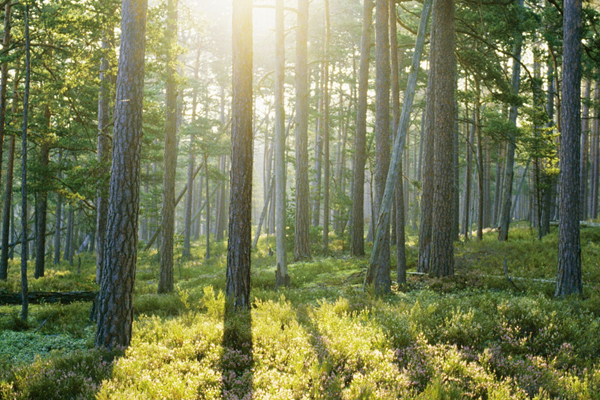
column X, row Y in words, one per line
column 240, row 209
column 115, row 300
column 302, row 245
column 505, row 213
column 569, row 248
column 357, row 246
column 442, row 249
column 280, row 164
column 165, row 282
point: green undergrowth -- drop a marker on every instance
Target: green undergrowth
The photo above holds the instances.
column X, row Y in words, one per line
column 474, row 336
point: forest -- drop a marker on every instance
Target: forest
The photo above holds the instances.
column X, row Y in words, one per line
column 300, row 199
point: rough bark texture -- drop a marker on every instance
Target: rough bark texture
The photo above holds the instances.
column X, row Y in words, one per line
column 165, row 282
column 425, row 227
column 595, row 155
column 302, row 244
column 505, row 213
column 8, row 189
column 382, row 134
column 240, row 209
column 357, row 246
column 569, row 248
column 103, row 151
column 442, row 250
column 115, row 300
column 280, row 164
column 583, row 161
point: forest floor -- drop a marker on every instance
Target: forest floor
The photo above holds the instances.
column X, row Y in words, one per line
column 476, row 335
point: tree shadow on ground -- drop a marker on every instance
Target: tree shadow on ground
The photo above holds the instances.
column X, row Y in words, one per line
column 237, row 358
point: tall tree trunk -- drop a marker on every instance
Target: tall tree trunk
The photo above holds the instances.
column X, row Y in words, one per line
column 399, row 192
column 396, row 160
column 381, row 271
column 302, row 245
column 280, row 164
column 207, row 253
column 103, row 147
column 189, row 200
column 357, row 246
column 569, row 248
column 470, row 138
column 165, row 282
column 58, row 218
column 115, row 299
column 240, row 209
column 548, row 180
column 8, row 189
column 69, row 241
column 505, row 213
column 483, row 184
column 596, row 155
column 41, row 208
column 425, row 227
column 4, row 77
column 24, row 251
column 327, row 166
column 585, row 134
column 442, row 249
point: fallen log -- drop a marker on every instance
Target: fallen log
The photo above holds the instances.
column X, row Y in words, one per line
column 47, row 297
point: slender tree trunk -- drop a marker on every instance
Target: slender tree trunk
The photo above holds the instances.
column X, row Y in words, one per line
column 470, row 138
column 442, row 249
column 115, row 300
column 4, row 77
column 207, row 254
column 505, row 213
column 585, row 134
column 282, row 276
column 357, row 246
column 596, row 155
column 425, row 227
column 103, row 151
column 569, row 248
column 482, row 179
column 24, row 251
column 8, row 189
column 58, row 219
column 240, row 209
column 41, row 208
column 165, row 282
column 189, row 200
column 316, row 206
column 327, row 167
column 302, row 245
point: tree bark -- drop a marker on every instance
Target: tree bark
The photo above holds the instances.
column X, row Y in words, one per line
column 396, row 159
column 8, row 189
column 4, row 77
column 569, row 248
column 357, row 246
column 505, row 213
column 165, row 282
column 115, row 300
column 103, row 148
column 302, row 244
column 585, row 134
column 58, row 219
column 207, row 253
column 326, row 162
column 24, row 250
column 442, row 249
column 41, row 208
column 280, row 164
column 240, row 209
